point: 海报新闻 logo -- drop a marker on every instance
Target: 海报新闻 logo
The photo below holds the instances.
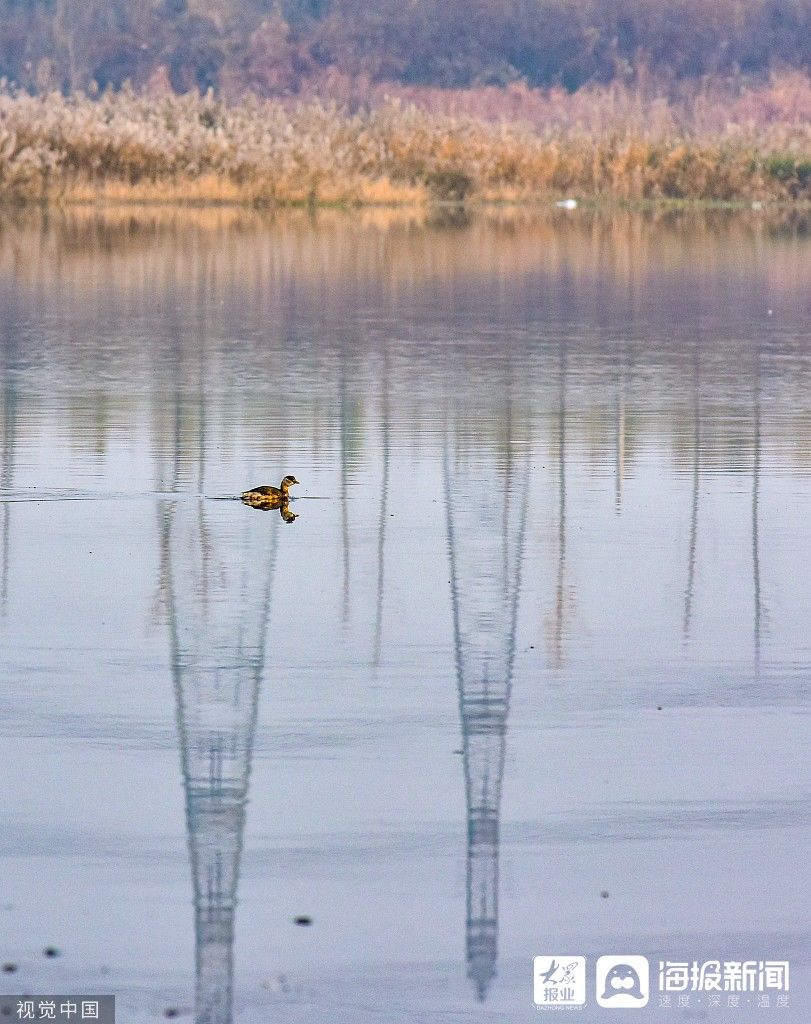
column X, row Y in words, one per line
column 622, row 982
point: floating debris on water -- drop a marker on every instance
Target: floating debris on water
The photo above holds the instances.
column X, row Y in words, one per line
column 303, row 920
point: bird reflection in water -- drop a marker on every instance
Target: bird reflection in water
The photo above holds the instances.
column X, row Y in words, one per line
column 283, row 508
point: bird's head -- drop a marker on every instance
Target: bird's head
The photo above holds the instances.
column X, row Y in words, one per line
column 288, row 482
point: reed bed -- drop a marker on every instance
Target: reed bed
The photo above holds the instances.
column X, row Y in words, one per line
column 125, row 147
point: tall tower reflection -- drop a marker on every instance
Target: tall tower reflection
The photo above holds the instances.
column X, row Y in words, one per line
column 486, row 495
column 218, row 562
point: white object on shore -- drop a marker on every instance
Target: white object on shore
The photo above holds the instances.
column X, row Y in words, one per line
column 567, row 204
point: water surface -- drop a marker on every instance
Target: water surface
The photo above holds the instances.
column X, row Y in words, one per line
column 528, row 674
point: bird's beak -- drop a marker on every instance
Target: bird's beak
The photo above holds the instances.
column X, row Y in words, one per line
column 295, row 481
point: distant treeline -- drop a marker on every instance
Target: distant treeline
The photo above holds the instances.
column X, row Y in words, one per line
column 278, row 47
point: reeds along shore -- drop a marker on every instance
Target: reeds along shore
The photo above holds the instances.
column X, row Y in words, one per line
column 140, row 148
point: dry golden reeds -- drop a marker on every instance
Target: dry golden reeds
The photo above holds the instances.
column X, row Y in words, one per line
column 126, row 147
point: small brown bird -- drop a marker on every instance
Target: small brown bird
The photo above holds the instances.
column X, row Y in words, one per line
column 270, row 497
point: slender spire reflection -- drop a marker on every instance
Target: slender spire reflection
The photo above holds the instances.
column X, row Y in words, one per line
column 691, row 547
column 485, row 545
column 758, row 611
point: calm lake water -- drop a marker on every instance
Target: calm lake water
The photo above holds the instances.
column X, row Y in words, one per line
column 529, row 673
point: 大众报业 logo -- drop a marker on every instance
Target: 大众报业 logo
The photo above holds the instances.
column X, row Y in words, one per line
column 622, row 982
column 560, row 980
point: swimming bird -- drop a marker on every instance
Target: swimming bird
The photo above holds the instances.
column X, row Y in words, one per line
column 269, row 497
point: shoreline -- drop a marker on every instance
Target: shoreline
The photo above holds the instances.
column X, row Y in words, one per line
column 421, row 203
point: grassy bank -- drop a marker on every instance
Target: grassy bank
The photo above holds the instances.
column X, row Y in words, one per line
column 129, row 148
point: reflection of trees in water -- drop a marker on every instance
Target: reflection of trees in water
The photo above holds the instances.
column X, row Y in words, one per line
column 216, row 569
column 486, row 498
column 559, row 614
column 165, row 246
column 351, row 415
column 343, row 405
column 7, row 481
column 385, row 443
column 8, row 361
column 699, row 443
column 619, row 442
